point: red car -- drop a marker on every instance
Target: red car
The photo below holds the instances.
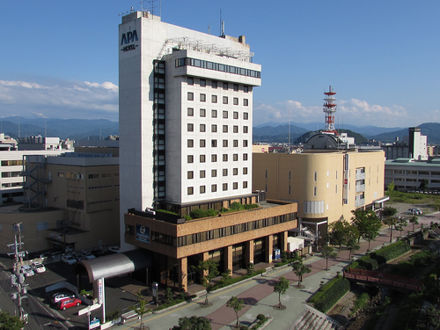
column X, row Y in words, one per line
column 67, row 303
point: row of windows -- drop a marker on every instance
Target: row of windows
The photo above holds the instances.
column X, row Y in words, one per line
column 11, row 162
column 202, row 143
column 214, row 84
column 202, row 188
column 225, row 128
column 202, row 158
column 225, row 99
column 187, row 61
column 202, row 173
column 225, row 114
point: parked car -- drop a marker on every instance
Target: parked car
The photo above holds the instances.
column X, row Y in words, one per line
column 38, row 267
column 415, row 211
column 67, row 303
column 59, row 296
column 27, row 270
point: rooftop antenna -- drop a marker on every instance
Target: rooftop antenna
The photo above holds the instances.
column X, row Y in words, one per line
column 222, row 25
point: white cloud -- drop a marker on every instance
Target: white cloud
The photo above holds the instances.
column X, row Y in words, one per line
column 63, row 99
column 353, row 111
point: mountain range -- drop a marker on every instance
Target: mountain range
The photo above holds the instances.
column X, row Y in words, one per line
column 85, row 128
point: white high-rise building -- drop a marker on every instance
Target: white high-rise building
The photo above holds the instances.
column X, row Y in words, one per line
column 185, row 115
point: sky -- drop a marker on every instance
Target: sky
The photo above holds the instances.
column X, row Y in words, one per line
column 59, row 59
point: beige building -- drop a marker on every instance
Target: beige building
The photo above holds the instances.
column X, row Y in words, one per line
column 86, row 188
column 262, row 148
column 327, row 185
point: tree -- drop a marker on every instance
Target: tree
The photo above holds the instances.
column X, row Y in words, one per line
column 391, row 222
column 141, row 307
column 327, row 252
column 193, row 323
column 300, row 269
column 414, row 220
column 388, row 211
column 401, row 224
column 208, row 270
column 281, row 288
column 338, row 232
column 352, row 239
column 236, row 304
column 10, row 322
column 367, row 223
column 390, row 188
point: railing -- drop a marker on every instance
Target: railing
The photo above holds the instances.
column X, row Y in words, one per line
column 360, row 175
column 359, row 202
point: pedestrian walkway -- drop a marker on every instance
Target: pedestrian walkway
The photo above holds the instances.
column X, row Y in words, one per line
column 258, row 295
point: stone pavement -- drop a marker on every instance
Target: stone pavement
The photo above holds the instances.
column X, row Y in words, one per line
column 258, row 294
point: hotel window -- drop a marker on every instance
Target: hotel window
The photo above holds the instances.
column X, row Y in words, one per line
column 202, row 128
column 202, row 189
column 235, row 115
column 225, row 186
column 245, row 156
column 225, row 114
column 236, row 87
column 245, row 116
column 235, row 129
column 225, row 128
column 190, row 127
column 190, row 143
column 225, row 143
column 190, row 159
column 202, row 97
column 190, row 96
column 190, row 190
column 214, row 113
column 235, row 185
column 202, row 82
column 245, row 143
column 213, row 158
column 245, row 89
column 225, row 86
column 225, row 100
column 245, row 102
column 190, row 175
column 245, row 184
column 235, row 157
column 316, row 176
column 225, row 157
column 225, row 172
column 213, row 128
column 235, row 100
column 235, row 171
column 190, row 80
column 213, row 173
column 235, row 143
column 202, row 112
column 245, row 129
column 214, row 143
column 214, row 98
column 245, row 170
column 202, row 143
column 214, row 84
column 202, row 174
column 314, row 191
column 202, row 158
column 213, row 188
column 190, row 112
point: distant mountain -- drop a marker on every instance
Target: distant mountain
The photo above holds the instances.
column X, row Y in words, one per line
column 63, row 128
column 431, row 130
column 358, row 138
column 278, row 133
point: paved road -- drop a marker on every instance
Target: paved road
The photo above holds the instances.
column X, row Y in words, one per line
column 259, row 296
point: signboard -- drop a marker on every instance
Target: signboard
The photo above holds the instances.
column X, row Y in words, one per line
column 142, row 233
column 277, row 254
column 128, row 41
column 100, row 283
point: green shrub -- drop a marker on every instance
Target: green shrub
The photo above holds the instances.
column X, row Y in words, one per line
column 235, row 206
column 391, row 251
column 366, row 262
column 250, row 206
column 200, row 213
column 231, row 280
column 361, row 302
column 330, row 293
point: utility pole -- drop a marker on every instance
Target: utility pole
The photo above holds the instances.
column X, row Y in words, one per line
column 17, row 277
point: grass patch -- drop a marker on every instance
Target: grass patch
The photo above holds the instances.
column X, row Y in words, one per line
column 330, row 293
column 414, row 198
column 231, row 280
column 413, row 266
column 170, row 303
column 360, row 303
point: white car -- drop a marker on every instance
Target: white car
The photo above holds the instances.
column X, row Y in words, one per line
column 38, row 267
column 415, row 211
column 27, row 270
column 58, row 296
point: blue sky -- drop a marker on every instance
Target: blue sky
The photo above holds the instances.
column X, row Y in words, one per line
column 59, row 58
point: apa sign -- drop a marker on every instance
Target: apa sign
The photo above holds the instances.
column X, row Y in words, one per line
column 127, row 39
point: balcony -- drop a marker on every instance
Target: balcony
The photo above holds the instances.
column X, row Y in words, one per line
column 359, row 202
column 360, row 188
column 360, row 175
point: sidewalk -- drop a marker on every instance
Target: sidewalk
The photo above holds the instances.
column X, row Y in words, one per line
column 258, row 293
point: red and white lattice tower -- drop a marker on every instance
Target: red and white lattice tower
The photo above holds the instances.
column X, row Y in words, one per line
column 329, row 110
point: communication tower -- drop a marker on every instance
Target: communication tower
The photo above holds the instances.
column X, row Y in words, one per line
column 329, row 109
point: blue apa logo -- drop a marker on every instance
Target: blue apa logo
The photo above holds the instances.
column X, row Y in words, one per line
column 129, row 37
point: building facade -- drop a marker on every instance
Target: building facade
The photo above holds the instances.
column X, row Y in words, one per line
column 185, row 115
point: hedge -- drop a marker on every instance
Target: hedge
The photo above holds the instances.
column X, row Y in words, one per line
column 391, row 251
column 367, row 262
column 330, row 293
